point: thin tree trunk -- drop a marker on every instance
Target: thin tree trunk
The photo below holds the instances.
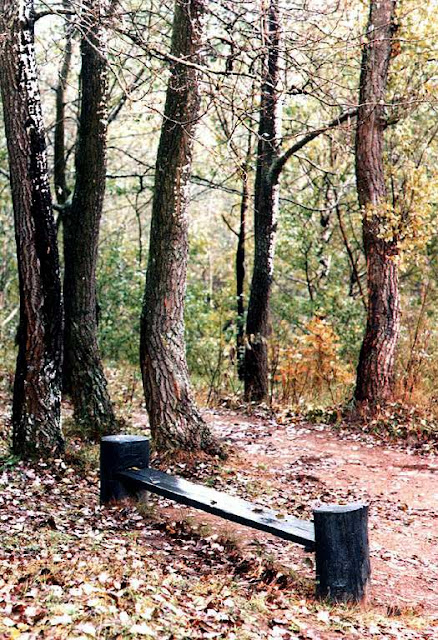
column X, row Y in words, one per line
column 375, row 370
column 353, row 262
column 174, row 418
column 265, row 212
column 270, row 164
column 62, row 191
column 83, row 372
column 36, row 416
column 243, row 168
column 240, row 275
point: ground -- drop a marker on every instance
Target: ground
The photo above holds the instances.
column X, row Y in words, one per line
column 72, row 569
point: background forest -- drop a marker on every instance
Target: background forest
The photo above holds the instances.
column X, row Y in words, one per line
column 319, row 288
column 218, row 229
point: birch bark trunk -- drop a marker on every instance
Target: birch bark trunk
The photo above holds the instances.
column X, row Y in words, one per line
column 266, row 191
column 36, row 417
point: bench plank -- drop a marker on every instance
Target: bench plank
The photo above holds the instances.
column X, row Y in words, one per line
column 222, row 504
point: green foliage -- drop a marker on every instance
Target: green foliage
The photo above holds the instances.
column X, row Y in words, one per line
column 8, row 462
column 120, row 292
column 210, row 334
column 9, row 299
column 313, row 278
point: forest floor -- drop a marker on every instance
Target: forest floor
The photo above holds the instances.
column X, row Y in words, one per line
column 71, row 569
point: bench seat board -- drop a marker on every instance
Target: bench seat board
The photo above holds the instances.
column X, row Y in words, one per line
column 222, row 504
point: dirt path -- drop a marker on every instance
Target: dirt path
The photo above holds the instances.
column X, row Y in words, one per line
column 292, row 468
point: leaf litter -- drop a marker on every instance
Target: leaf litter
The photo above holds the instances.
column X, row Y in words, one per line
column 71, row 569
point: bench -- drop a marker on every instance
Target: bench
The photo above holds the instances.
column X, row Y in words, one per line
column 338, row 534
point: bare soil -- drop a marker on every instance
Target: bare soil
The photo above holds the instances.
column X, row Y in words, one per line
column 298, row 466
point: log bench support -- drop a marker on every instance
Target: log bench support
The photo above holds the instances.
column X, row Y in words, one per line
column 119, row 453
column 338, row 535
column 342, row 556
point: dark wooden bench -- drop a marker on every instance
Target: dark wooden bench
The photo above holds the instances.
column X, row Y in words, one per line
column 338, row 534
column 222, row 505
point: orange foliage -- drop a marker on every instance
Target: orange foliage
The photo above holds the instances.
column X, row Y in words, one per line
column 310, row 367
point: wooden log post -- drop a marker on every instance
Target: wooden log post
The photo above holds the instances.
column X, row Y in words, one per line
column 119, row 453
column 342, row 552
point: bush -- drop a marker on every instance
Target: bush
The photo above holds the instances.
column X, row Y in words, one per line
column 309, row 367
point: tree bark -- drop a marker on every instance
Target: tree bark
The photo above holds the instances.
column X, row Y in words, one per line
column 36, row 415
column 174, row 418
column 84, row 377
column 265, row 211
column 375, row 370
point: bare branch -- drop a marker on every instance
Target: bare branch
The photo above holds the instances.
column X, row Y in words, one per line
column 279, row 164
column 229, row 226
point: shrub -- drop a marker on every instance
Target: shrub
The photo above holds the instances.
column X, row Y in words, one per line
column 310, row 366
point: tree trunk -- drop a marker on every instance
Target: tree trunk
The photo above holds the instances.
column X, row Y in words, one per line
column 36, row 415
column 240, row 276
column 375, row 370
column 265, row 212
column 174, row 418
column 83, row 372
column 62, row 191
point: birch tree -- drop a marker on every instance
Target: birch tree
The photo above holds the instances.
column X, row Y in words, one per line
column 266, row 194
column 36, row 417
column 271, row 160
